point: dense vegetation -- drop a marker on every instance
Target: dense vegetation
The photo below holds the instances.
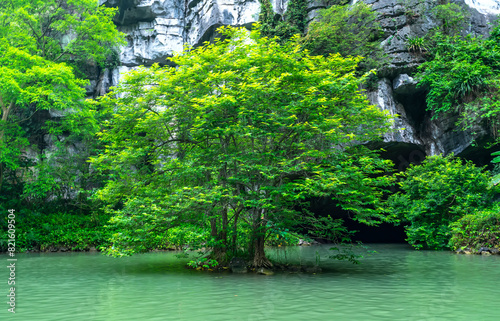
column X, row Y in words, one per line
column 45, row 47
column 347, row 30
column 225, row 152
column 476, row 230
column 460, row 74
column 436, row 194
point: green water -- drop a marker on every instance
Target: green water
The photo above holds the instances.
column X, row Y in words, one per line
column 395, row 284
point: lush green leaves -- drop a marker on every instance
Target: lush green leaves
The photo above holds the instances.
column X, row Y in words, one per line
column 436, row 193
column 476, row 230
column 243, row 129
column 459, row 72
column 451, row 18
column 349, row 31
column 293, row 22
column 42, row 45
column 74, row 31
column 38, row 231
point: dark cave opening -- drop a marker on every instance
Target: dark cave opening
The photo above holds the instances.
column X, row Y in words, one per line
column 383, row 233
column 402, row 154
column 415, row 106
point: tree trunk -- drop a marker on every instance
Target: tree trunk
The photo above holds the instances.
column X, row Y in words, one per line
column 258, row 240
column 259, row 258
column 6, row 110
column 219, row 250
column 234, row 243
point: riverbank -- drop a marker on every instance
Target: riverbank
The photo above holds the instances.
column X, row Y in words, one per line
column 58, row 232
column 76, row 232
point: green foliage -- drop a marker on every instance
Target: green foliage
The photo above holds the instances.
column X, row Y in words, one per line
column 30, row 79
column 192, row 237
column 462, row 77
column 30, row 83
column 266, row 19
column 79, row 32
column 416, row 44
column 293, row 22
column 461, row 73
column 478, row 229
column 496, row 178
column 203, row 263
column 349, row 31
column 451, row 17
column 40, row 231
column 246, row 139
column 45, row 47
column 141, row 225
column 62, row 173
column 435, row 194
column 283, row 237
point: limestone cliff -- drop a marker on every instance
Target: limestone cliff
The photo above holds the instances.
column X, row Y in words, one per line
column 158, row 28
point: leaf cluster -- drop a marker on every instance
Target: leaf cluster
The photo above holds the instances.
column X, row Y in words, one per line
column 293, row 22
column 38, row 231
column 435, row 194
column 347, row 30
column 480, row 229
column 459, row 72
column 79, row 32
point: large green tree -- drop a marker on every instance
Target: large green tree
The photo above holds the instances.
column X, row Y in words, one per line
column 243, row 132
column 45, row 49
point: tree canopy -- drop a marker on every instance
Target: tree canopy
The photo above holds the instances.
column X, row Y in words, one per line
column 235, row 140
column 45, row 49
column 78, row 32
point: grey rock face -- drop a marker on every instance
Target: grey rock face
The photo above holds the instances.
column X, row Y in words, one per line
column 404, row 85
column 404, row 131
column 414, row 125
column 157, row 29
column 401, row 20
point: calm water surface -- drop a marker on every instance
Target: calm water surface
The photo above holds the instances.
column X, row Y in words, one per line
column 397, row 283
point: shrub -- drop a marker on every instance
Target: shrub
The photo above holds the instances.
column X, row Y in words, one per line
column 435, row 194
column 294, row 20
column 476, row 230
column 451, row 18
column 416, row 44
column 459, row 71
column 349, row 31
column 37, row 231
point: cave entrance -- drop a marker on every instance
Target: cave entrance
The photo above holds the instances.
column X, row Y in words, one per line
column 383, row 233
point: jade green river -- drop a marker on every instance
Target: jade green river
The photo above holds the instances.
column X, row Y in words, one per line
column 396, row 283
